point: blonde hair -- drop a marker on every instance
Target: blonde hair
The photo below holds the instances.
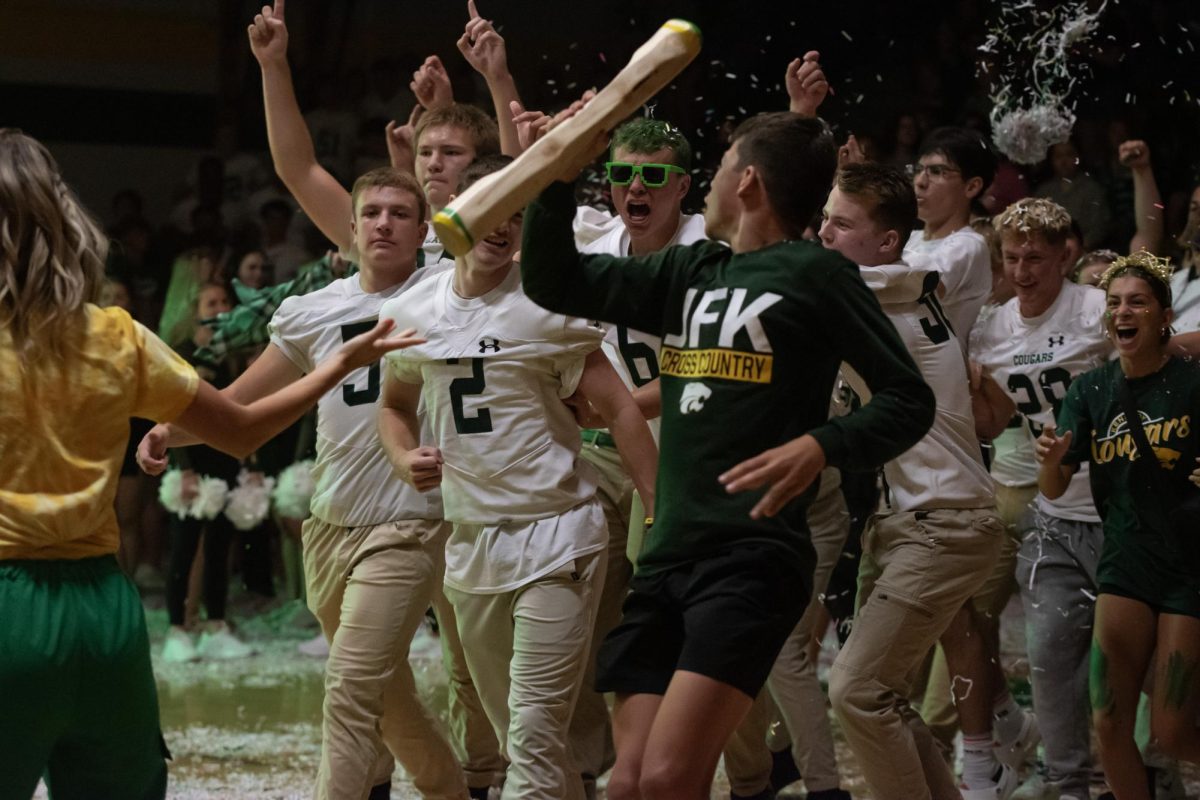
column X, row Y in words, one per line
column 1035, row 216
column 51, row 251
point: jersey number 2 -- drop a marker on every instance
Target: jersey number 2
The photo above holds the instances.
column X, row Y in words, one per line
column 351, row 395
column 462, row 387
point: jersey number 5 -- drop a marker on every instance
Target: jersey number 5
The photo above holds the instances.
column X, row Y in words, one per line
column 462, row 387
column 351, row 395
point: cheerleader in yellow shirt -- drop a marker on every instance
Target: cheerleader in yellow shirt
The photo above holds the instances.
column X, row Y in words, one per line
column 78, row 703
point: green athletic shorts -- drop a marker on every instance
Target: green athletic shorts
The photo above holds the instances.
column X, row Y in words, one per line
column 77, row 699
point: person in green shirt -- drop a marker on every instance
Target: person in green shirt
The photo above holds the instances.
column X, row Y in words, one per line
column 753, row 335
column 1148, row 608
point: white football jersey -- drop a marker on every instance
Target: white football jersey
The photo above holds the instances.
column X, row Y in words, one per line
column 356, row 484
column 432, row 252
column 1013, row 463
column 945, row 469
column 965, row 265
column 1185, row 301
column 1034, row 359
column 495, row 370
column 633, row 354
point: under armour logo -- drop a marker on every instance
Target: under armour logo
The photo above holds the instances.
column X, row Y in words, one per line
column 486, row 344
column 1056, row 340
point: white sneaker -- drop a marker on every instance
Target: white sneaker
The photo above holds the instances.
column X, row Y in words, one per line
column 1016, row 752
column 1005, row 784
column 221, row 644
column 315, row 647
column 178, row 647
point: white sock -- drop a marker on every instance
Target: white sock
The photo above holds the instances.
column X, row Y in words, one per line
column 1007, row 718
column 979, row 763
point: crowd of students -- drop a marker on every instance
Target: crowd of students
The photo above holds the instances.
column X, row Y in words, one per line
column 658, row 504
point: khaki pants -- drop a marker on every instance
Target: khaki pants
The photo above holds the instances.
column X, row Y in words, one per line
column 526, row 649
column 369, row 588
column 472, row 736
column 591, row 729
column 937, row 705
column 798, row 698
column 918, row 568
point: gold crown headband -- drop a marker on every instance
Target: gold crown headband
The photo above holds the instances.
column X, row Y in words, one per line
column 1144, row 261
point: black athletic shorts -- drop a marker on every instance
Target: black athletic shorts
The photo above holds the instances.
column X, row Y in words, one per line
column 725, row 617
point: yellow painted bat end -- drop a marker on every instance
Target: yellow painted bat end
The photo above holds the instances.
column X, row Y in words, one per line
column 682, row 26
column 452, row 232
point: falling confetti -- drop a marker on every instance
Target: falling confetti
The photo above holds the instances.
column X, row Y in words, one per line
column 1032, row 82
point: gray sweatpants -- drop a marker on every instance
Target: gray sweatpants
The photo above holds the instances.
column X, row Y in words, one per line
column 1056, row 572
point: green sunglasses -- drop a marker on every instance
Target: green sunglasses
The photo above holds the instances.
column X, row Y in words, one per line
column 620, row 173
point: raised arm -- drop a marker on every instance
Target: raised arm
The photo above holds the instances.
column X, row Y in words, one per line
column 400, row 434
column 431, row 84
column 484, row 50
column 1147, row 202
column 326, row 201
column 806, row 84
column 604, row 390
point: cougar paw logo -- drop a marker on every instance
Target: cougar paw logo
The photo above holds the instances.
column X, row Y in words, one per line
column 694, row 395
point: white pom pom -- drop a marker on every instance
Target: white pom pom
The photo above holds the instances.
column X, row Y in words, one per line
column 294, row 490
column 1024, row 135
column 210, row 498
column 250, row 501
column 170, row 493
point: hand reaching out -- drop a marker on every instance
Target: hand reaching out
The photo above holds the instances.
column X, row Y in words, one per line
column 1050, row 448
column 367, row 348
column 806, row 84
column 269, row 35
column 152, row 451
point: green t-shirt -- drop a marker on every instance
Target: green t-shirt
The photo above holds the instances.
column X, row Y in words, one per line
column 1139, row 554
column 751, row 347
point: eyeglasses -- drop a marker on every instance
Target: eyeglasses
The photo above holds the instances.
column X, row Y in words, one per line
column 936, row 171
column 620, row 173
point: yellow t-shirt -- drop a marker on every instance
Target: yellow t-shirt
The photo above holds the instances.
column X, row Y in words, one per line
column 63, row 433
